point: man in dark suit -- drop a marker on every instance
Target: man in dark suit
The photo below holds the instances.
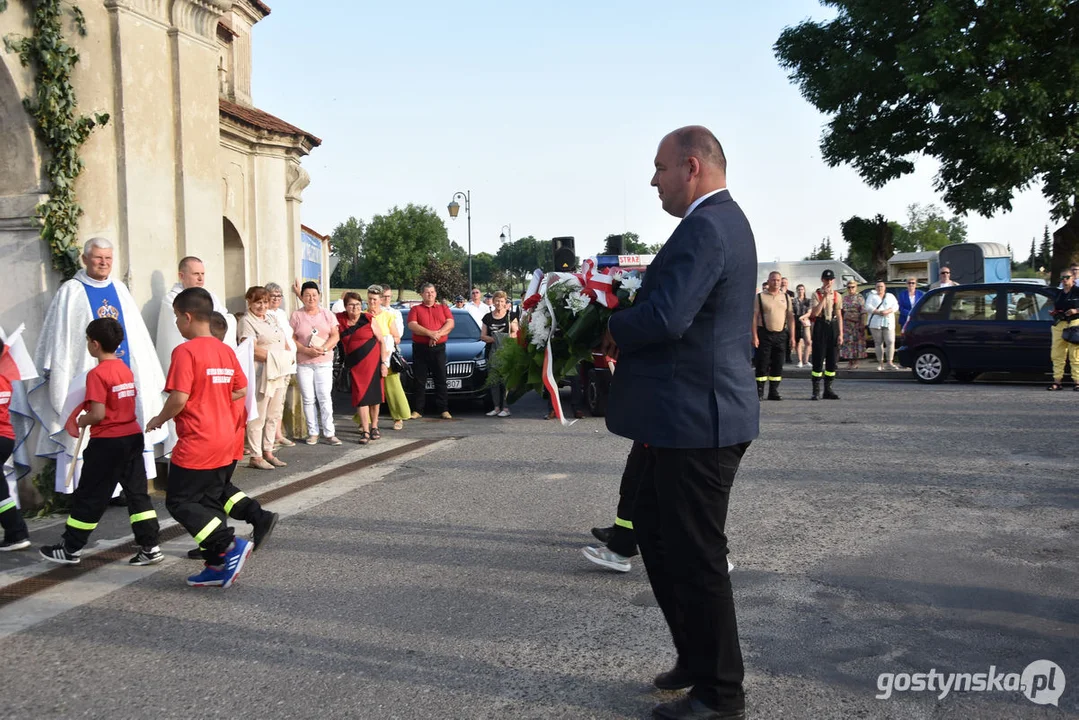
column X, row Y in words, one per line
column 684, row 387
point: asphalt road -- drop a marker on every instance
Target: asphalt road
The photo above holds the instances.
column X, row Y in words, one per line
column 903, row 529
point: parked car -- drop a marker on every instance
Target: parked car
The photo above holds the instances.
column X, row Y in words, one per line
column 466, row 362
column 971, row 329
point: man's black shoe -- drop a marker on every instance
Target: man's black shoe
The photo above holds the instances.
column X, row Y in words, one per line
column 263, row 528
column 688, row 708
column 603, row 534
column 674, row 679
column 194, row 554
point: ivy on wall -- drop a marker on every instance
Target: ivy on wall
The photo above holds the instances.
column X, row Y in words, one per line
column 62, row 129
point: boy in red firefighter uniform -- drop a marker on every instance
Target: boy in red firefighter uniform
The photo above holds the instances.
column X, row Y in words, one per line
column 204, row 381
column 113, row 455
column 236, row 503
column 16, row 536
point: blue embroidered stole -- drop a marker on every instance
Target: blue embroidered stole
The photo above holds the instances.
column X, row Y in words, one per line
column 104, row 302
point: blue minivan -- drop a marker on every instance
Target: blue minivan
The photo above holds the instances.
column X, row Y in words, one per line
column 970, row 329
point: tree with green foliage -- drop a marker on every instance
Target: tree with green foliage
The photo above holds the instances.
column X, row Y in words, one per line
column 869, row 245
column 632, row 245
column 397, row 245
column 986, row 88
column 346, row 243
column 1045, row 250
column 447, row 277
column 927, row 229
column 524, row 255
column 822, row 251
column 1033, row 259
column 483, row 269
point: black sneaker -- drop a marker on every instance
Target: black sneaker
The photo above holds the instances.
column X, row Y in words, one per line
column 147, row 556
column 59, row 554
column 263, row 528
column 603, row 534
column 10, row 545
column 194, row 554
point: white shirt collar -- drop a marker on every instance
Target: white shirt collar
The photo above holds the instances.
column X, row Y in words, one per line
column 701, row 199
column 85, row 278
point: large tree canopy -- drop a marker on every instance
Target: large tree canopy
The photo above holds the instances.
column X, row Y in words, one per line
column 988, row 88
column 397, row 245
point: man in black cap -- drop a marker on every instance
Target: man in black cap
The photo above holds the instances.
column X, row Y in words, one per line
column 459, row 302
column 826, row 313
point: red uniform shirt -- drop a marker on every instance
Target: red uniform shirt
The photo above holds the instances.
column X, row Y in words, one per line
column 207, row 370
column 112, row 384
column 431, row 318
column 6, row 430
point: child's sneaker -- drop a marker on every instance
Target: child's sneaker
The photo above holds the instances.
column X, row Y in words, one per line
column 147, row 556
column 209, row 577
column 235, row 559
column 9, row 545
column 59, row 554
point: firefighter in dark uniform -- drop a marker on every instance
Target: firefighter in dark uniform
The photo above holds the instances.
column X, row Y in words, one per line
column 826, row 312
column 773, row 335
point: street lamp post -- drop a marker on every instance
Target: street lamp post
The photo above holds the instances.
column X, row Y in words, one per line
column 454, row 207
column 507, row 234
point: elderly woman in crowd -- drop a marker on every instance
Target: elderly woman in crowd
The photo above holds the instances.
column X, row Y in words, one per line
column 273, row 364
column 853, row 347
column 392, row 325
column 881, row 308
column 496, row 326
column 1065, row 314
column 315, row 331
column 803, row 326
column 907, row 300
column 277, row 299
column 366, row 358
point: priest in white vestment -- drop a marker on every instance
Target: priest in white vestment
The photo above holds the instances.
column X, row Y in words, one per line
column 192, row 274
column 61, row 356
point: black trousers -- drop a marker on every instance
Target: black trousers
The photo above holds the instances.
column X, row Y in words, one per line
column 624, row 538
column 427, row 359
column 825, row 347
column 194, row 498
column 680, row 518
column 771, row 350
column 10, row 517
column 106, row 462
column 236, row 503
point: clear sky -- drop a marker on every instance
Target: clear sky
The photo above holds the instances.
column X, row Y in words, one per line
column 550, row 113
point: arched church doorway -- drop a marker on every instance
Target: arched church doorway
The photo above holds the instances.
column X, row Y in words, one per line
column 235, row 268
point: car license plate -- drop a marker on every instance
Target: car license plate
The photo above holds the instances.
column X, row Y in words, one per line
column 451, row 384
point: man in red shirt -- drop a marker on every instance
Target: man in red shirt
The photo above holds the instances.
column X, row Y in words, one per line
column 16, row 536
column 204, row 381
column 430, row 323
column 113, row 455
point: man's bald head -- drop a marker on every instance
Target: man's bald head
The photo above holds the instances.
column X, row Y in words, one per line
column 699, row 142
column 192, row 272
column 689, row 164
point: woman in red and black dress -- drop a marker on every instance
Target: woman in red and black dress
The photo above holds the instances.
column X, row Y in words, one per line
column 361, row 341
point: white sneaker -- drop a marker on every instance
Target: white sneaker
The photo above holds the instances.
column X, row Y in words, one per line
column 730, row 566
column 505, row 413
column 605, row 558
column 493, row 413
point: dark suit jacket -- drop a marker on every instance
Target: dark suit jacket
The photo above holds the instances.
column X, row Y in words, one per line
column 683, row 378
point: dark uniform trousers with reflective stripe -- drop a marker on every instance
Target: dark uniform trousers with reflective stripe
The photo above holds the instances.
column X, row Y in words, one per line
column 624, row 540
column 771, row 349
column 106, row 462
column 825, row 347
column 10, row 517
column 236, row 504
column 196, row 498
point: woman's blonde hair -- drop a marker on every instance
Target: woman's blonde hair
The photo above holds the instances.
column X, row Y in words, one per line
column 499, row 294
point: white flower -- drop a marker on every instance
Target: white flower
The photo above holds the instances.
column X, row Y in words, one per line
column 617, row 273
column 576, row 302
column 539, row 328
column 630, row 282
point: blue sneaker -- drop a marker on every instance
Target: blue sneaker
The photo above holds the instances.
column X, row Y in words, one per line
column 209, row 577
column 235, row 559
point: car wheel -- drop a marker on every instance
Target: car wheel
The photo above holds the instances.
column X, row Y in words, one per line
column 930, row 366
column 966, row 376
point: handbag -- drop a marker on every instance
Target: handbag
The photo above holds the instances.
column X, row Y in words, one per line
column 1071, row 334
column 398, row 363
